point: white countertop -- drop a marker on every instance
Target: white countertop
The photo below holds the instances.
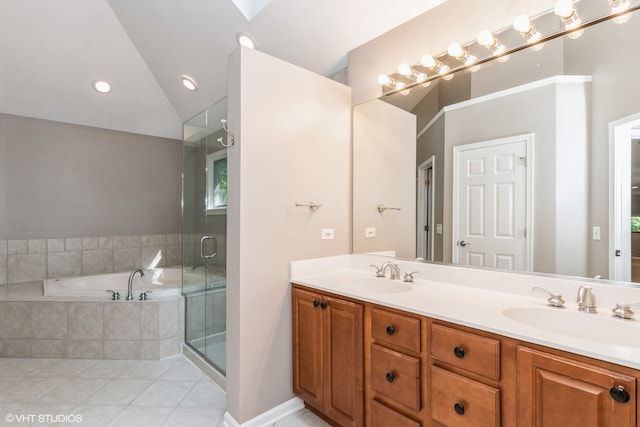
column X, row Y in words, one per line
column 478, row 299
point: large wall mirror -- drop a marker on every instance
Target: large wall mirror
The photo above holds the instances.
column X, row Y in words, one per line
column 530, row 164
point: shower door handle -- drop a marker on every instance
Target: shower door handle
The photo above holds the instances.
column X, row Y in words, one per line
column 202, row 244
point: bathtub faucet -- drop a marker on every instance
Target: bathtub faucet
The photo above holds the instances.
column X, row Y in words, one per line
column 130, row 288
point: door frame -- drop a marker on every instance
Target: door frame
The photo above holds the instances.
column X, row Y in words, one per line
column 620, row 135
column 529, row 200
column 420, row 237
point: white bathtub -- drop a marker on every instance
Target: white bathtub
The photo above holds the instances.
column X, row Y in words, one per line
column 163, row 282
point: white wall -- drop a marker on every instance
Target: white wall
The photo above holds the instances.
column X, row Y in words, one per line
column 384, row 144
column 293, row 132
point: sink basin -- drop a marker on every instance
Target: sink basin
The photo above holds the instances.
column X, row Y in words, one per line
column 580, row 325
column 378, row 284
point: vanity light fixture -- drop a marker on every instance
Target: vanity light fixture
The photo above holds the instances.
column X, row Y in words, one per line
column 393, row 84
column 101, row 86
column 619, row 7
column 488, row 40
column 525, row 27
column 189, row 83
column 410, row 73
column 429, row 61
column 569, row 15
column 461, row 54
column 245, row 39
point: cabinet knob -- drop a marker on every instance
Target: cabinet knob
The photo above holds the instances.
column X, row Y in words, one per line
column 619, row 394
column 390, row 330
column 390, row 377
column 459, row 352
column 459, row 408
column 316, row 303
column 323, row 305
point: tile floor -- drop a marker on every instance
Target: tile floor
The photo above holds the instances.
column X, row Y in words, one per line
column 73, row 392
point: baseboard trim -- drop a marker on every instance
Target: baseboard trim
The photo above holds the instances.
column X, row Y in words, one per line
column 267, row 418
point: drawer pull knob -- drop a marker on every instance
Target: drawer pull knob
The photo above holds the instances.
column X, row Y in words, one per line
column 459, row 352
column 323, row 305
column 316, row 303
column 459, row 408
column 619, row 394
column 390, row 330
column 390, row 377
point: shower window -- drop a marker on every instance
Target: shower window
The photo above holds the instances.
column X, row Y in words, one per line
column 217, row 182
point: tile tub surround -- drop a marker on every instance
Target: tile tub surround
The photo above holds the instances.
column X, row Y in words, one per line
column 23, row 261
column 55, row 327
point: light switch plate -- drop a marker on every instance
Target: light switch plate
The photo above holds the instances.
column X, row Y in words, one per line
column 327, row 234
column 369, row 232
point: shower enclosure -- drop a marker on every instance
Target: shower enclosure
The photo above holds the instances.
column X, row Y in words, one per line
column 204, row 230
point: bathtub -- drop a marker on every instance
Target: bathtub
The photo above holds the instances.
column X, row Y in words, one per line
column 163, row 282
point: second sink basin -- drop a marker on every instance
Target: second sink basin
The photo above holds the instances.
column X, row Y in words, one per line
column 579, row 325
column 378, row 284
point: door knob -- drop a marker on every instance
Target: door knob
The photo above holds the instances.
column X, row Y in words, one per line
column 463, row 243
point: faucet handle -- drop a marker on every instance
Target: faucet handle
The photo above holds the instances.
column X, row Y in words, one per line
column 408, row 277
column 623, row 311
column 144, row 296
column 379, row 271
column 115, row 295
column 554, row 300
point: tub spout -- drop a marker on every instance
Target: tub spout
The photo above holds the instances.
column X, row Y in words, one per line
column 130, row 288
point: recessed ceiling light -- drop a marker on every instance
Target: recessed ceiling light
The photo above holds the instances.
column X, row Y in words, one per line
column 246, row 40
column 101, row 86
column 188, row 83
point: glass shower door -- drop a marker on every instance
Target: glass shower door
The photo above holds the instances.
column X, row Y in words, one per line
column 204, row 228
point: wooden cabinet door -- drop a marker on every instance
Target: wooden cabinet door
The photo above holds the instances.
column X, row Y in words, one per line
column 343, row 362
column 555, row 391
column 307, row 347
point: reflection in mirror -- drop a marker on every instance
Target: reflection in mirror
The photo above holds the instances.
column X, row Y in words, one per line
column 524, row 164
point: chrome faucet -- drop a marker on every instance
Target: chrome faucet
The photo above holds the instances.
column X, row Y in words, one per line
column 586, row 300
column 130, row 288
column 395, row 270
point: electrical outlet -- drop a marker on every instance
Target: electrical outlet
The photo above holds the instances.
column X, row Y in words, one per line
column 327, row 234
column 438, row 228
column 596, row 233
column 370, row 232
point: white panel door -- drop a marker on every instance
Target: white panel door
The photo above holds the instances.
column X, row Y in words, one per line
column 490, row 204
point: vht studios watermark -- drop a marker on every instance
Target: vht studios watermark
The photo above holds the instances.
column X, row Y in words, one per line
column 43, row 418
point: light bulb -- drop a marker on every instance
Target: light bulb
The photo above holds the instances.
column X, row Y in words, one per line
column 522, row 24
column 486, row 39
column 384, row 80
column 564, row 8
column 428, row 61
column 405, row 69
column 420, row 77
column 455, row 50
column 619, row 6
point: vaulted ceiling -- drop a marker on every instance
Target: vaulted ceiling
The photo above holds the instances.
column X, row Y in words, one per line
column 51, row 51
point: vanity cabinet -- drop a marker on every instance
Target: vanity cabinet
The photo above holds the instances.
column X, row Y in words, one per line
column 465, row 378
column 328, row 355
column 558, row 391
column 395, row 369
column 358, row 363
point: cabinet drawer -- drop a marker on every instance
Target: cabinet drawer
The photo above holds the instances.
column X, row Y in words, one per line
column 467, row 351
column 395, row 329
column 382, row 416
column 461, row 402
column 396, row 375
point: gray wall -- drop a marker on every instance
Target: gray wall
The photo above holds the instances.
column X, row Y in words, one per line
column 59, row 180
